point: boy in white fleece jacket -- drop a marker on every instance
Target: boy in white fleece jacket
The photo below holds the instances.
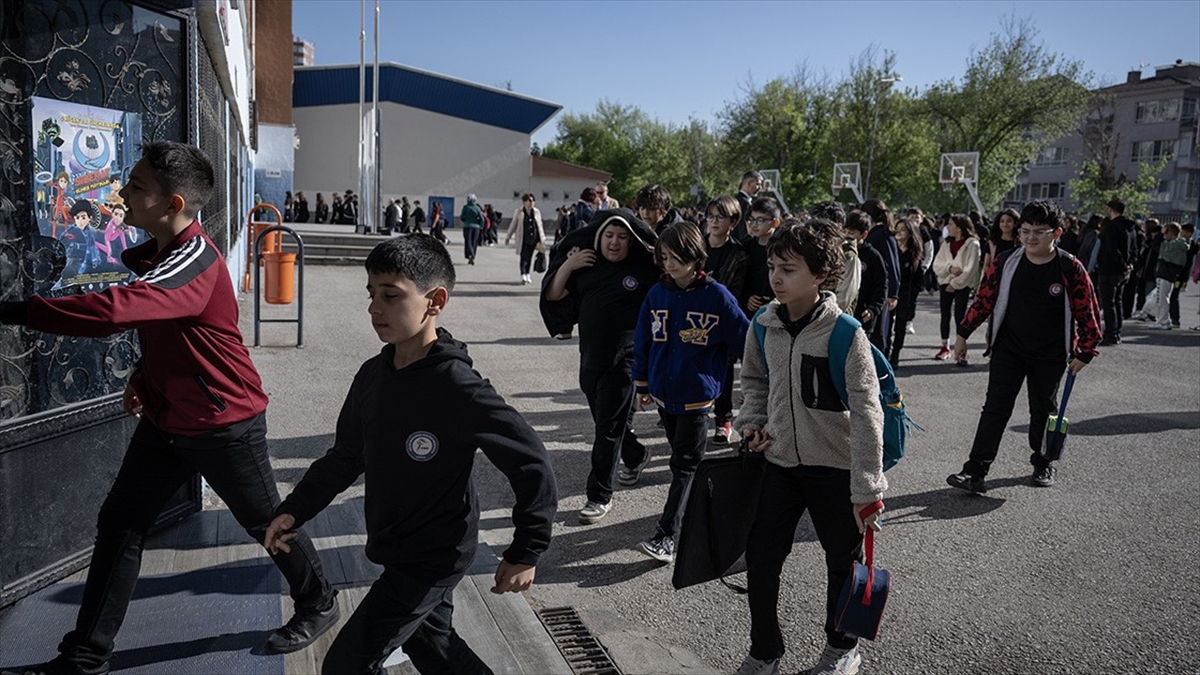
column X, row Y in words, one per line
column 821, row 456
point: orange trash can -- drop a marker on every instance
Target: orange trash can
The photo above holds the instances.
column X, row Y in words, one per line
column 280, row 272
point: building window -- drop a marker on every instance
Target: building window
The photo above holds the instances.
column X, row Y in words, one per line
column 1151, row 151
column 1164, row 192
column 1188, row 114
column 1191, row 186
column 1162, row 110
column 1052, row 157
column 1019, row 193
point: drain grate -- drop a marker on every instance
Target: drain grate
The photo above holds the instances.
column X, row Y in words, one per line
column 582, row 651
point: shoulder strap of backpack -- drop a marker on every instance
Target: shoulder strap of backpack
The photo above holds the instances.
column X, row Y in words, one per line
column 760, row 333
column 839, row 348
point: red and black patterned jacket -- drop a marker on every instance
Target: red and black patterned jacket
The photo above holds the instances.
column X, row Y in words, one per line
column 195, row 375
column 1081, row 309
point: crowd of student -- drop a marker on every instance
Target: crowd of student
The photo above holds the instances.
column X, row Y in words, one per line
column 664, row 308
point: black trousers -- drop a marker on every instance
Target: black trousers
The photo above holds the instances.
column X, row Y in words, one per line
column 1006, row 373
column 1173, row 305
column 470, row 241
column 235, row 463
column 904, row 312
column 1111, row 288
column 960, row 299
column 527, row 249
column 786, row 493
column 400, row 611
column 609, row 395
column 688, row 436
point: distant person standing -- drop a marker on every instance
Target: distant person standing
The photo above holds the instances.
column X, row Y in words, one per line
column 527, row 226
column 338, row 208
column 1114, row 264
column 884, row 242
column 302, row 212
column 606, row 202
column 472, row 223
column 585, row 208
column 322, row 210
column 405, row 211
column 751, row 183
column 437, row 222
column 391, row 218
column 289, row 207
column 418, row 217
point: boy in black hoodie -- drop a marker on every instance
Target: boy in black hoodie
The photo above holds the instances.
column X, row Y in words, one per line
column 421, row 508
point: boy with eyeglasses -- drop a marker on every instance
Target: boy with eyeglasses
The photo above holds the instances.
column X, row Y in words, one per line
column 761, row 223
column 727, row 263
column 1045, row 319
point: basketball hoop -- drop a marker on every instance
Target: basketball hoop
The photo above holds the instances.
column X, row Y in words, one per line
column 957, row 180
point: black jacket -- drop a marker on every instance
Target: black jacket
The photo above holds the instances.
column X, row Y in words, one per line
column 414, row 433
column 872, row 290
column 560, row 316
column 1117, row 246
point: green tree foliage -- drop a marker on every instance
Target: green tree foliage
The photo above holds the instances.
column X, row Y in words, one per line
column 781, row 125
column 1011, row 87
column 1099, row 180
column 635, row 149
column 1014, row 98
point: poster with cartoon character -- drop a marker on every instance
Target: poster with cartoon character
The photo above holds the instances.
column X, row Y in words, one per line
column 81, row 156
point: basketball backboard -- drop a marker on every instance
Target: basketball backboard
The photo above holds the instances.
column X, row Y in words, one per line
column 847, row 176
column 771, row 184
column 959, row 167
column 770, row 179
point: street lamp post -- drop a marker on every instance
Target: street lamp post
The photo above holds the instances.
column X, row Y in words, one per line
column 875, row 123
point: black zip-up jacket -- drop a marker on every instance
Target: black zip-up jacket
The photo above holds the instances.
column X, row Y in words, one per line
column 414, row 433
column 1118, row 246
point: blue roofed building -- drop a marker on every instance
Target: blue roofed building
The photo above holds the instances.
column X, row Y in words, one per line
column 439, row 137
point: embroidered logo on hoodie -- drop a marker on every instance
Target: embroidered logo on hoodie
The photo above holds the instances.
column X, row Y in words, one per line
column 422, row 446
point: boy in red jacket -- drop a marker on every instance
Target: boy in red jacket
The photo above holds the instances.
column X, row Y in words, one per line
column 197, row 394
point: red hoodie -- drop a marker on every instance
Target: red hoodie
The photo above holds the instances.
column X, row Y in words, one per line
column 195, row 375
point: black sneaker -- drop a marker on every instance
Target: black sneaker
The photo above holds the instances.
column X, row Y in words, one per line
column 302, row 630
column 965, row 481
column 660, row 548
column 1043, row 477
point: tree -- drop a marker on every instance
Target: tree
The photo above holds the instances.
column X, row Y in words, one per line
column 903, row 162
column 781, row 125
column 635, row 149
column 1015, row 97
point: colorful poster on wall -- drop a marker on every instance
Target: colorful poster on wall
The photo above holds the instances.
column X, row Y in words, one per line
column 81, row 157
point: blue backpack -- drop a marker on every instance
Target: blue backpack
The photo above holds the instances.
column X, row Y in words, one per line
column 896, row 424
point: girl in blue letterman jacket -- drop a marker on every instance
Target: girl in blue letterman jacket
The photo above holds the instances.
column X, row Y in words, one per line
column 688, row 328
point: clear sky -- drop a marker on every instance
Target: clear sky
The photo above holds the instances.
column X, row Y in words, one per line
column 676, row 60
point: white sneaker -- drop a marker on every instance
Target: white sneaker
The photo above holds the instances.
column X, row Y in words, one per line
column 593, row 511
column 836, row 661
column 753, row 666
column 910, row 329
column 1159, row 326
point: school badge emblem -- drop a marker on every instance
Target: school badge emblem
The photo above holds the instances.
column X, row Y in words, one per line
column 422, row 446
column 630, row 283
column 1056, row 290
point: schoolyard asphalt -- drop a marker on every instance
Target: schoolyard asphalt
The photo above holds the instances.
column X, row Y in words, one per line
column 1097, row 574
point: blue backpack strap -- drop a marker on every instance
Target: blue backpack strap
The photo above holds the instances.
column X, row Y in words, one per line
column 760, row 333
column 839, row 348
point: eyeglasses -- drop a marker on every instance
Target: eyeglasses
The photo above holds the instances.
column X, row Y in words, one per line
column 759, row 221
column 714, row 217
column 1026, row 232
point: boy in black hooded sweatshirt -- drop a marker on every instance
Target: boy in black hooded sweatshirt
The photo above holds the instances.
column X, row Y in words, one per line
column 421, row 508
